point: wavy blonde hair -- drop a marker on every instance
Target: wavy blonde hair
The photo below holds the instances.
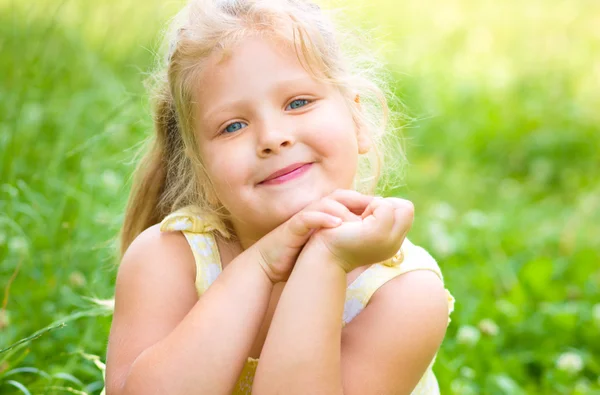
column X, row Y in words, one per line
column 171, row 174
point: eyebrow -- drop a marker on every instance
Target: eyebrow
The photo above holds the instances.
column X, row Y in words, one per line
column 278, row 86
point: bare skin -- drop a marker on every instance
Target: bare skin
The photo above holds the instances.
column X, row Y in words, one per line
column 228, row 250
column 160, row 324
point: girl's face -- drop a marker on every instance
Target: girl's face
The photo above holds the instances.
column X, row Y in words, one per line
column 259, row 112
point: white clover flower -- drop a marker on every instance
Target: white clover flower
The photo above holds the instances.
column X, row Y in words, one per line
column 77, row 279
column 506, row 308
column 582, row 386
column 476, row 219
column 570, row 362
column 506, row 384
column 488, row 327
column 18, row 245
column 462, row 387
column 111, row 180
column 103, row 217
column 467, row 372
column 468, row 335
column 442, row 242
column 443, row 211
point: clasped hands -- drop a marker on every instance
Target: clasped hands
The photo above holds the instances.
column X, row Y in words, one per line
column 355, row 229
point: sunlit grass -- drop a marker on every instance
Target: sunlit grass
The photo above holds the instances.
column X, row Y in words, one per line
column 504, row 159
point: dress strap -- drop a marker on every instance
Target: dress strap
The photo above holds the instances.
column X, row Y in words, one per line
column 200, row 235
column 409, row 258
column 185, row 220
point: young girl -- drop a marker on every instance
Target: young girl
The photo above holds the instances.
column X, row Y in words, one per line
column 245, row 237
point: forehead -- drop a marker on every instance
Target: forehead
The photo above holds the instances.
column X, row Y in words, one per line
column 250, row 66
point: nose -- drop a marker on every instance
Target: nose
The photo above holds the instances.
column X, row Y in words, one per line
column 272, row 140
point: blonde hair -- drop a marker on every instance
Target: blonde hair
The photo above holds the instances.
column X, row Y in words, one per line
column 171, row 175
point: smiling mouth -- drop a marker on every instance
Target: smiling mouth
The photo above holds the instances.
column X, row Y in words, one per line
column 291, row 175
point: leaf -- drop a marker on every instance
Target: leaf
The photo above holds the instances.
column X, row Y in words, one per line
column 20, row 386
column 68, row 377
column 26, row 369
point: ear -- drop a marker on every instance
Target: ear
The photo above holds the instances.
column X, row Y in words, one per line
column 364, row 142
column 362, row 137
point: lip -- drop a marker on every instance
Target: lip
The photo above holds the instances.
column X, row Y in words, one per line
column 286, row 173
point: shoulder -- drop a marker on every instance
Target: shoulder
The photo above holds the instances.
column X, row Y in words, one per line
column 154, row 236
column 395, row 338
column 416, row 289
column 154, row 291
column 420, row 292
column 411, row 271
column 420, row 284
column 414, row 285
column 157, row 253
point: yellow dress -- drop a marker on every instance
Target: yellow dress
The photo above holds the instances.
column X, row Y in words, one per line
column 199, row 234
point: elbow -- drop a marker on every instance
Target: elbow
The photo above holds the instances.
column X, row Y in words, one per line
column 130, row 382
column 130, row 387
column 123, row 386
column 114, row 387
column 114, row 382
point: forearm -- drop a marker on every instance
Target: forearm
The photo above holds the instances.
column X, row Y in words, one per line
column 302, row 352
column 206, row 352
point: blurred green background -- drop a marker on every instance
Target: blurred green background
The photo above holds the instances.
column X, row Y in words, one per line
column 504, row 172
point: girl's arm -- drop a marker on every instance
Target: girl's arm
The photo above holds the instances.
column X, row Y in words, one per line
column 384, row 350
column 164, row 340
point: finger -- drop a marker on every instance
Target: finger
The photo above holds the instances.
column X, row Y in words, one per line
column 376, row 201
column 384, row 215
column 398, row 202
column 332, row 207
column 380, row 223
column 403, row 218
column 335, row 208
column 395, row 202
column 355, row 201
column 304, row 222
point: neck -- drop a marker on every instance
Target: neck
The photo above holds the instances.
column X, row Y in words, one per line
column 245, row 236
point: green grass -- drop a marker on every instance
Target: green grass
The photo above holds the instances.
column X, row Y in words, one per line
column 504, row 172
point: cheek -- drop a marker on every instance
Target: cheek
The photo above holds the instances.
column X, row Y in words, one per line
column 334, row 121
column 228, row 172
column 339, row 139
column 336, row 137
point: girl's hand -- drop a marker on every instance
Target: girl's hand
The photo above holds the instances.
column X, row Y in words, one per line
column 376, row 237
column 280, row 248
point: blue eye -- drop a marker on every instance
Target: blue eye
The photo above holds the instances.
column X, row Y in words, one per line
column 298, row 103
column 233, row 127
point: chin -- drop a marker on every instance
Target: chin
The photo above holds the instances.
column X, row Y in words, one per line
column 294, row 204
